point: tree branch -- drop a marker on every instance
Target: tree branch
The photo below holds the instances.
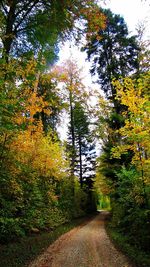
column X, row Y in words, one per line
column 4, row 8
column 24, row 7
column 25, row 15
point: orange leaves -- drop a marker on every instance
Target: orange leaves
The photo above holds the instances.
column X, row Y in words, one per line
column 33, row 104
column 69, row 74
column 59, row 74
column 96, row 20
column 88, row 15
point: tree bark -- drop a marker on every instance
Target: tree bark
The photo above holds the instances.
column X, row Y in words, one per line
column 80, row 157
column 9, row 34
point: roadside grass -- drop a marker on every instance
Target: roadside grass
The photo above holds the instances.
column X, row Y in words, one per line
column 138, row 258
column 22, row 252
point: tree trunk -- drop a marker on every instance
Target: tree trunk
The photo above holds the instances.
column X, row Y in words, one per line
column 9, row 34
column 72, row 135
column 80, row 157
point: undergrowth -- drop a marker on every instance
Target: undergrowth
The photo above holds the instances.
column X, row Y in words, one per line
column 138, row 257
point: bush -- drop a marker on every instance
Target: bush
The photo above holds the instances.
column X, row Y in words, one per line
column 10, row 229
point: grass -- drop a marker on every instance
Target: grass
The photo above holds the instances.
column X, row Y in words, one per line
column 138, row 257
column 20, row 253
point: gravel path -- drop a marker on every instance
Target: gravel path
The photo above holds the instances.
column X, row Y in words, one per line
column 87, row 246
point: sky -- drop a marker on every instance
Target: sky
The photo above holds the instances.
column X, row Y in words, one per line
column 133, row 11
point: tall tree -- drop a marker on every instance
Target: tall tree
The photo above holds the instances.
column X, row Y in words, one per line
column 84, row 147
column 84, row 156
column 73, row 91
column 144, row 53
column 115, row 54
column 80, row 143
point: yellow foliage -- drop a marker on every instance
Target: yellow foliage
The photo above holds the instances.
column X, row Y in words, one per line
column 32, row 148
column 136, row 132
column 31, row 106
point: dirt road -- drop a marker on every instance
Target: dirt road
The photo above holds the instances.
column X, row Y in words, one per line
column 87, row 246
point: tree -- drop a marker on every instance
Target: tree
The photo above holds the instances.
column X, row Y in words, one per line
column 69, row 76
column 48, row 88
column 84, row 152
column 80, row 143
column 144, row 52
column 36, row 25
column 84, row 147
column 29, row 162
column 133, row 183
column 115, row 54
column 135, row 132
column 35, row 180
column 76, row 98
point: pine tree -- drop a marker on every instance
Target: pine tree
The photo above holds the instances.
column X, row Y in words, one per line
column 84, row 147
column 114, row 55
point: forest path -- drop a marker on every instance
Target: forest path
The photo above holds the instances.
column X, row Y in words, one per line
column 84, row 246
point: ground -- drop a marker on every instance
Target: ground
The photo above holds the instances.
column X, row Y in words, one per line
column 84, row 246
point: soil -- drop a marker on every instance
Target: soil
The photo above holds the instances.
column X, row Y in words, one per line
column 84, row 246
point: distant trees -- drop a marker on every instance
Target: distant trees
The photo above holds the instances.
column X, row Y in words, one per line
column 84, row 147
column 144, row 52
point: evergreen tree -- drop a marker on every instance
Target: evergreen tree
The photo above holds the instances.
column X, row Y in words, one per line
column 114, row 55
column 84, row 151
column 84, row 147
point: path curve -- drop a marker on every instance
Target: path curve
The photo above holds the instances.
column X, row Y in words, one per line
column 87, row 246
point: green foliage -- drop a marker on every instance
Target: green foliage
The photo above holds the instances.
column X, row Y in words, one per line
column 36, row 26
column 130, row 212
column 139, row 257
column 10, row 227
column 103, row 202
